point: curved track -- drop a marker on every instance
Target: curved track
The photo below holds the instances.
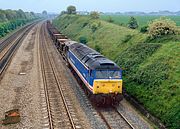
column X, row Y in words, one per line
column 58, row 107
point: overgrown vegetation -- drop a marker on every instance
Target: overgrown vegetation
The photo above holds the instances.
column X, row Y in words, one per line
column 130, row 58
column 11, row 19
column 151, row 70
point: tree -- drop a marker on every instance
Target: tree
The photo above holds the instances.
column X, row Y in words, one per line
column 44, row 13
column 94, row 15
column 2, row 16
column 132, row 23
column 63, row 12
column 10, row 14
column 161, row 27
column 71, row 9
column 21, row 14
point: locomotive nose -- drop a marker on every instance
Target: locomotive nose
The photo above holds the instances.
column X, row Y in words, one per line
column 107, row 86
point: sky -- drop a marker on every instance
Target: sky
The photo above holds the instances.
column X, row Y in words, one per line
column 92, row 5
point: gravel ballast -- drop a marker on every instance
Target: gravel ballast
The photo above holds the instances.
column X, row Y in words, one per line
column 19, row 88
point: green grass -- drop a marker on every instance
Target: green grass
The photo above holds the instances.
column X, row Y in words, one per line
column 142, row 20
column 151, row 70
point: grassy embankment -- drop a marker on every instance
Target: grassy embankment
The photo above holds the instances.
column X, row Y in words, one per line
column 152, row 70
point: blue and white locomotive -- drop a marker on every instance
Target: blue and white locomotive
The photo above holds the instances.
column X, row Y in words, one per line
column 101, row 76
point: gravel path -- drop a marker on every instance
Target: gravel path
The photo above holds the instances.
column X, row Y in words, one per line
column 22, row 90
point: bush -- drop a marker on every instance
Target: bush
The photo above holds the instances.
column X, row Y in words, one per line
column 144, row 29
column 161, row 27
column 97, row 48
column 85, row 24
column 94, row 15
column 83, row 40
column 11, row 25
column 94, row 26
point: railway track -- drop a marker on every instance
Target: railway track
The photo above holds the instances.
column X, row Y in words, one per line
column 9, row 46
column 113, row 118
column 56, row 107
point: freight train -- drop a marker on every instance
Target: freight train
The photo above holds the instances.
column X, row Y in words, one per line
column 102, row 78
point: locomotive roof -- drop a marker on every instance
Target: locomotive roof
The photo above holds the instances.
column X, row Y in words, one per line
column 92, row 58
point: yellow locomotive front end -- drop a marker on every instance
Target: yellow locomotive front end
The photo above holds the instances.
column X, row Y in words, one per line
column 107, row 86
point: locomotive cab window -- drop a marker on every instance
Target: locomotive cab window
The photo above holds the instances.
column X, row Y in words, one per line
column 108, row 74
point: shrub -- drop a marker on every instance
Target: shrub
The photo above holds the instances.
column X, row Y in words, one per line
column 1, row 31
column 83, row 40
column 94, row 26
column 97, row 48
column 94, row 15
column 85, row 24
column 144, row 29
column 161, row 27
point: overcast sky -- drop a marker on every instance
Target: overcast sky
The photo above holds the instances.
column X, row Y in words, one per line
column 92, row 5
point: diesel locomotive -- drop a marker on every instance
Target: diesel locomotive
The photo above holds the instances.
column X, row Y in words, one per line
column 101, row 77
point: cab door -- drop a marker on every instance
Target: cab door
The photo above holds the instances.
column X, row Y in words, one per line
column 91, row 77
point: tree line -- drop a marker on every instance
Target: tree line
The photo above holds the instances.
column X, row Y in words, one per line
column 11, row 19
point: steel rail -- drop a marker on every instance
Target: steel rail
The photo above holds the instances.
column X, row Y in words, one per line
column 44, row 45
